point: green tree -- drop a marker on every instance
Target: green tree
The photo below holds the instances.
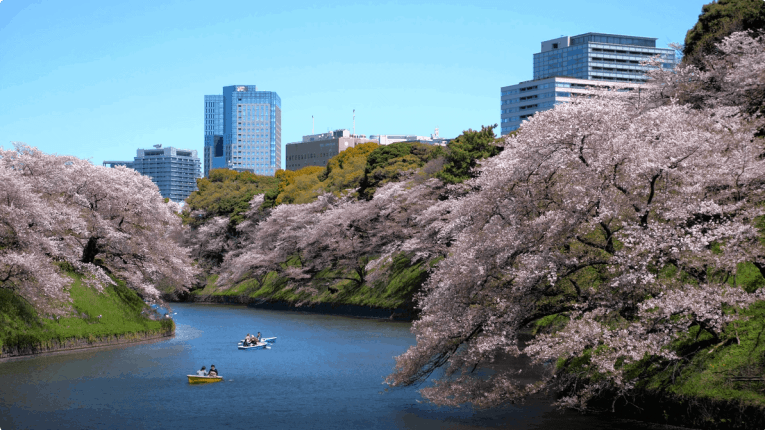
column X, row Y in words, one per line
column 346, row 170
column 343, row 172
column 464, row 152
column 225, row 193
column 718, row 20
column 386, row 163
column 297, row 186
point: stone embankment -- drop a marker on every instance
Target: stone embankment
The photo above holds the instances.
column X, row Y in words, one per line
column 77, row 344
column 397, row 314
column 693, row 412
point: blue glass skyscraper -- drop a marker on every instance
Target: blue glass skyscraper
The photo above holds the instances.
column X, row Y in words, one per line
column 243, row 130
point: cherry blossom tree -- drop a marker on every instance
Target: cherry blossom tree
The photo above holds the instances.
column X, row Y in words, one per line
column 624, row 219
column 734, row 78
column 210, row 241
column 26, row 226
column 352, row 237
column 358, row 236
column 101, row 221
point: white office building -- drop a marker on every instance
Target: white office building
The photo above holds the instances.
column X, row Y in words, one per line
column 175, row 171
column 387, row 139
column 568, row 65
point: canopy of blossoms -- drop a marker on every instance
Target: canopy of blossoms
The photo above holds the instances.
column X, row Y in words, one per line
column 58, row 210
column 624, row 215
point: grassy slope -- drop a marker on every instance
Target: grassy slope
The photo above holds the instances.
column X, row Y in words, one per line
column 705, row 388
column 710, row 372
column 401, row 281
column 120, row 307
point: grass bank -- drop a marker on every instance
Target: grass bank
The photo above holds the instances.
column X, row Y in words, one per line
column 393, row 290
column 123, row 319
column 718, row 383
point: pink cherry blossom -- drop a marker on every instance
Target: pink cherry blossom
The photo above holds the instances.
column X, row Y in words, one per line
column 103, row 222
column 624, row 214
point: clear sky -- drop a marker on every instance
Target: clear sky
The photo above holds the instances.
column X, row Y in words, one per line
column 99, row 79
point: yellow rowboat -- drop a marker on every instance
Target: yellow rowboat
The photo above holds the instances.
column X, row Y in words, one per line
column 196, row 379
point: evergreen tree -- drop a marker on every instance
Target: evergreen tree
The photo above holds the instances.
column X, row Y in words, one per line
column 465, row 151
column 718, row 20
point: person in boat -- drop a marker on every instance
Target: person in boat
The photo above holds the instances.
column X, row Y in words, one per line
column 247, row 340
column 213, row 371
column 202, row 371
column 258, row 339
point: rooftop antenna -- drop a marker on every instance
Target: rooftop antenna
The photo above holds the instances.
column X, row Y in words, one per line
column 354, row 122
column 312, row 124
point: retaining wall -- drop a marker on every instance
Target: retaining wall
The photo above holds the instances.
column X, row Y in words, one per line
column 75, row 344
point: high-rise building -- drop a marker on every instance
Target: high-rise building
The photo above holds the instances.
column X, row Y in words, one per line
column 243, row 130
column 317, row 149
column 175, row 171
column 568, row 65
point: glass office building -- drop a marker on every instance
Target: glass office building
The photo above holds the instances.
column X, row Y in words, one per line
column 175, row 171
column 243, row 130
column 591, row 56
column 213, row 149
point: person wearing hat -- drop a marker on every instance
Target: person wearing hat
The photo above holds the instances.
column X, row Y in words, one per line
column 213, row 371
column 202, row 371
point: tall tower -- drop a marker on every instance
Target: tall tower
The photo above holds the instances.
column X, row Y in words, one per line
column 213, row 152
column 245, row 130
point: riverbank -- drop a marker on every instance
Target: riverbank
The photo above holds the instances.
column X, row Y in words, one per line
column 693, row 412
column 391, row 296
column 718, row 383
column 76, row 344
column 94, row 319
column 349, row 310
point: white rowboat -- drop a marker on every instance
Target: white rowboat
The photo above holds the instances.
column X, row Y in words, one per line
column 259, row 345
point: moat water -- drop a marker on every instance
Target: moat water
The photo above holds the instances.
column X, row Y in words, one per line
column 323, row 372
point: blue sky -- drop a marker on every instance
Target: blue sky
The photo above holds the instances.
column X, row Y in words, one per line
column 100, row 79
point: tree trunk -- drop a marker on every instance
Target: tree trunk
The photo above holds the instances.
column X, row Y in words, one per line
column 90, row 251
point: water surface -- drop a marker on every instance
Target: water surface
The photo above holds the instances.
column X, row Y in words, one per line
column 324, row 372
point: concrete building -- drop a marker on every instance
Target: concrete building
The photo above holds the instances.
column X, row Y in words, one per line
column 243, row 130
column 128, row 164
column 175, row 171
column 317, row 149
column 387, row 139
column 564, row 63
